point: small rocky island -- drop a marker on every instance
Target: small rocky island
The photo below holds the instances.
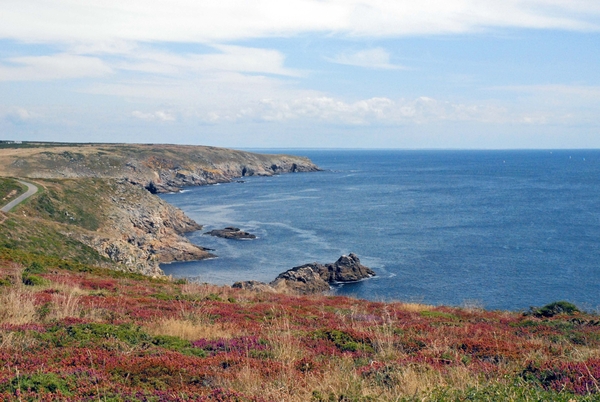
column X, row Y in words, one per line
column 231, row 233
column 314, row 277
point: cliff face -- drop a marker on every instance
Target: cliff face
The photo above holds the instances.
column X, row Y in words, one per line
column 100, row 195
column 142, row 231
column 158, row 168
column 119, row 220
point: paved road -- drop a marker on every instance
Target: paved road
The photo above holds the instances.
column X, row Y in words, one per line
column 31, row 190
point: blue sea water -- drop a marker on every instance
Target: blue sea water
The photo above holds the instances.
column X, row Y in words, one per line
column 499, row 229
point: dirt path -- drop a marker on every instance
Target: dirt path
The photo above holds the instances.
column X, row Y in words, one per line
column 31, row 190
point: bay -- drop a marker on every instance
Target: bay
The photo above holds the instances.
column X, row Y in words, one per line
column 497, row 229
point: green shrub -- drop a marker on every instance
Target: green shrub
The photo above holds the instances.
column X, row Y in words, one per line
column 342, row 340
column 33, row 280
column 35, row 268
column 555, row 308
column 40, row 382
column 178, row 345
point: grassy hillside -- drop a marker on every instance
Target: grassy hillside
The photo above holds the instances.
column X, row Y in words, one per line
column 69, row 331
column 9, row 190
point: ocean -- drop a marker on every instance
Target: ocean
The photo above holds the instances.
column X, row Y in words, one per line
column 493, row 229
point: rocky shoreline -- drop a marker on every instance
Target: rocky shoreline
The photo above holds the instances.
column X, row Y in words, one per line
column 117, row 183
column 313, row 278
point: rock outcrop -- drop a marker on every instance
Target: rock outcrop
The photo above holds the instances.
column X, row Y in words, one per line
column 314, row 278
column 147, row 231
column 231, row 233
column 253, row 285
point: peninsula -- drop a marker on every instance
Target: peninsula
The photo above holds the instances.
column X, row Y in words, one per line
column 98, row 204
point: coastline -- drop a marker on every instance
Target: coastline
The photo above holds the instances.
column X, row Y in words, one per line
column 104, row 195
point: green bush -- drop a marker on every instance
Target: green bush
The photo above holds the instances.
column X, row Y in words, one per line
column 40, row 382
column 33, row 280
column 342, row 340
column 178, row 345
column 35, row 268
column 555, row 308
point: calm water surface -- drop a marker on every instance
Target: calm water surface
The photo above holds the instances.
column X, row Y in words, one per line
column 502, row 229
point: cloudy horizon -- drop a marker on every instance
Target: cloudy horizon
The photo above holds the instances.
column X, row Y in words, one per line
column 468, row 74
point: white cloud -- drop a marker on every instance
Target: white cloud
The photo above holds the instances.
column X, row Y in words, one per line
column 18, row 115
column 372, row 111
column 58, row 66
column 377, row 58
column 102, row 21
column 159, row 115
column 227, row 58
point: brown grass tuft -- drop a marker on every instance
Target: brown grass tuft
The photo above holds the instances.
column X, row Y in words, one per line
column 16, row 306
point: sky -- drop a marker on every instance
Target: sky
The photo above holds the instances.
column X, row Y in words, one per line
column 428, row 74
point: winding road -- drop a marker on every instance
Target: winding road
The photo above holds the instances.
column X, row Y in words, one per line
column 31, row 190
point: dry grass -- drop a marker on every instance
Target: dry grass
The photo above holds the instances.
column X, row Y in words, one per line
column 205, row 290
column 17, row 306
column 339, row 380
column 286, row 347
column 193, row 323
column 190, row 330
column 17, row 341
column 65, row 305
column 413, row 307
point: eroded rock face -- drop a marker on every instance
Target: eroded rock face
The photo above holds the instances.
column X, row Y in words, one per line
column 314, row 278
column 141, row 231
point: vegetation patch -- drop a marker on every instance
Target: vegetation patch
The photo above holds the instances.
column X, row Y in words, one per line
column 555, row 308
column 344, row 341
column 99, row 334
column 9, row 190
column 39, row 383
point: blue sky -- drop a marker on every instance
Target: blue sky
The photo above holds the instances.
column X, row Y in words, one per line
column 303, row 73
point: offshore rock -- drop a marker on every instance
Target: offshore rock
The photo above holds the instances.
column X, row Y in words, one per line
column 317, row 278
column 346, row 269
column 231, row 233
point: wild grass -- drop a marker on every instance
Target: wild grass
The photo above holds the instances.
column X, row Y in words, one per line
column 86, row 333
column 17, row 306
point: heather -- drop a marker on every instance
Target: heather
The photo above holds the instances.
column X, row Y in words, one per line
column 70, row 331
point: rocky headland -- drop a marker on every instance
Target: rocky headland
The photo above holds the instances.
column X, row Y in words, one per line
column 159, row 168
column 314, row 277
column 102, row 196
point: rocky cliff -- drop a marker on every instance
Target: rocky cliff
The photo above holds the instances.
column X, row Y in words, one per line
column 102, row 194
column 314, row 277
